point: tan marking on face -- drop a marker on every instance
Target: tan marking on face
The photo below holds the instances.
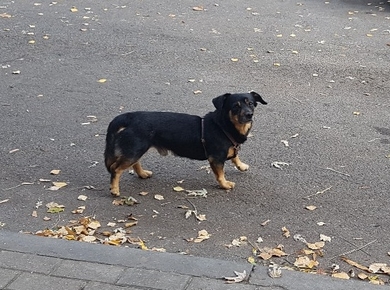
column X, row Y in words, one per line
column 243, row 129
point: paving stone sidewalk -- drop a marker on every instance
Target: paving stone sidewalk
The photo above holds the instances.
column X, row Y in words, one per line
column 31, row 262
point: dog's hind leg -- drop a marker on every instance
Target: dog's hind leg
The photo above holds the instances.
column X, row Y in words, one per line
column 142, row 173
column 116, row 169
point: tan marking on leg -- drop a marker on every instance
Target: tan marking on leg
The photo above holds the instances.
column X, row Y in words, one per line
column 239, row 164
column 220, row 175
column 231, row 152
column 142, row 173
column 116, row 169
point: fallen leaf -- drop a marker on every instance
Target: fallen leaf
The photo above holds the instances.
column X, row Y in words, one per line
column 315, row 246
column 202, row 235
column 325, row 238
column 178, row 188
column 279, row 164
column 88, row 239
column 267, row 253
column 73, row 9
column 355, row 264
column 31, row 42
column 197, row 92
column 197, row 192
column 311, row 207
column 239, row 277
column 265, row 223
column 341, row 275
column 111, row 224
column 305, row 262
column 158, row 197
column 34, row 214
column 198, row 8
column 79, row 210
column 13, row 151
column 234, row 59
column 5, row 15
column 57, row 185
column 286, row 232
column 4, row 200
column 55, row 172
column 82, row 197
column 362, row 276
column 251, row 260
column 94, row 225
column 102, row 81
column 143, row 193
column 46, row 218
column 285, row 142
column 376, row 267
column 131, row 224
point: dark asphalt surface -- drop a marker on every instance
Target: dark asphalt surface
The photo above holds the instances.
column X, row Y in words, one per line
column 323, row 67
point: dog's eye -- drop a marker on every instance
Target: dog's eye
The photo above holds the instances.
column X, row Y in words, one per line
column 250, row 104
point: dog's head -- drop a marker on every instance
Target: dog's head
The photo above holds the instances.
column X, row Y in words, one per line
column 239, row 109
column 239, row 106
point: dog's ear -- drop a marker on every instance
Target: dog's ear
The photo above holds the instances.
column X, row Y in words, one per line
column 219, row 101
column 258, row 98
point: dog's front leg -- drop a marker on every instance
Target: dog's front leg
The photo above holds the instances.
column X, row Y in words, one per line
column 217, row 168
column 239, row 164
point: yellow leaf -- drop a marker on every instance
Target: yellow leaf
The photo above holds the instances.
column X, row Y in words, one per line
column 94, row 225
column 251, row 260
column 102, row 80
column 276, row 64
column 355, row 264
column 286, row 232
column 55, row 172
column 178, row 188
column 316, row 246
column 74, row 9
column 59, row 184
column 362, row 276
column 341, row 275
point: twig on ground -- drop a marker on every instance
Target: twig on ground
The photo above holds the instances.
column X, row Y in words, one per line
column 318, row 192
column 354, row 250
column 355, row 246
column 339, row 172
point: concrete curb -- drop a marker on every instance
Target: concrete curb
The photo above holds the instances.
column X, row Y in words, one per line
column 27, row 259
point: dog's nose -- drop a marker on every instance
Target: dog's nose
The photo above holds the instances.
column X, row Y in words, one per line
column 249, row 115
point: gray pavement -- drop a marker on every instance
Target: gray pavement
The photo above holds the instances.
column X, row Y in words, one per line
column 31, row 262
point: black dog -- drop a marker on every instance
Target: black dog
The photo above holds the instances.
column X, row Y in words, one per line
column 216, row 137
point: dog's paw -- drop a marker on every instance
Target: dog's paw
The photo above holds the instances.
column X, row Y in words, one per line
column 145, row 174
column 243, row 167
column 115, row 192
column 227, row 184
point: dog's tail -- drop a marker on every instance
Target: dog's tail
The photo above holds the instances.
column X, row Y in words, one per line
column 110, row 153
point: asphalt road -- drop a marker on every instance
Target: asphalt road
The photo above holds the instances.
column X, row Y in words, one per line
column 69, row 67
